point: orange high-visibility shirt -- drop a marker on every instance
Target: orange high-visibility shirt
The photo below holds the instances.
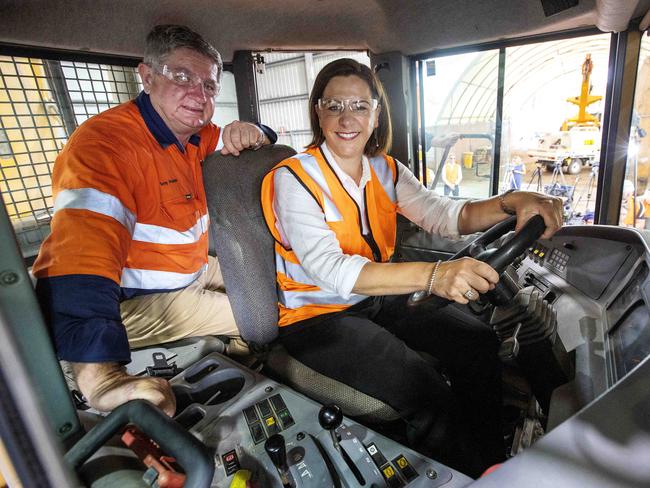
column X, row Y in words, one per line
column 127, row 207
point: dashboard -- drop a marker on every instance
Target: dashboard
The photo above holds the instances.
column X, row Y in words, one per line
column 597, row 280
column 236, row 411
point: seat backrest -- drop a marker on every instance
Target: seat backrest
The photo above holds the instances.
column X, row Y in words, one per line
column 243, row 244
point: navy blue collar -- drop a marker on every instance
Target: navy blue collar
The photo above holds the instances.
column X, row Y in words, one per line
column 157, row 126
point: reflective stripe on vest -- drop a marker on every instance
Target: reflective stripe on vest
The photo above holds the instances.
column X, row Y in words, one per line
column 147, row 279
column 293, row 271
column 95, row 201
column 310, row 165
column 385, row 176
column 297, row 299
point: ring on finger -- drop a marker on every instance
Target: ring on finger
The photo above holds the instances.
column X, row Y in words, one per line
column 470, row 294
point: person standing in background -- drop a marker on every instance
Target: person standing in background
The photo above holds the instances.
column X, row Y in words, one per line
column 452, row 175
column 518, row 169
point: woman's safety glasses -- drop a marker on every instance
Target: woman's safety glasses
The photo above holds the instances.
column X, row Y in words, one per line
column 332, row 107
column 186, row 79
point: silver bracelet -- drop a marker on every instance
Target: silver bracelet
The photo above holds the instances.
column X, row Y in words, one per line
column 432, row 279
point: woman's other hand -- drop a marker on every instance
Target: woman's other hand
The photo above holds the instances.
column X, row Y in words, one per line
column 527, row 204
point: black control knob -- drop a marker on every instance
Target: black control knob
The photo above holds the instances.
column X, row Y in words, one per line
column 330, row 417
column 276, row 448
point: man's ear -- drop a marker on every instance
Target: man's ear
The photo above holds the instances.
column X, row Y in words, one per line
column 146, row 75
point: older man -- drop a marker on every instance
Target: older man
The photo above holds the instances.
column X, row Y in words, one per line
column 127, row 260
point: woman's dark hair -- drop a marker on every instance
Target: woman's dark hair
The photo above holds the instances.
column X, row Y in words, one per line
column 382, row 140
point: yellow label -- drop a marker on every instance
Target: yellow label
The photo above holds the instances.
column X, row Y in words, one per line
column 270, row 421
column 402, row 462
column 240, row 479
column 389, row 472
column 589, row 142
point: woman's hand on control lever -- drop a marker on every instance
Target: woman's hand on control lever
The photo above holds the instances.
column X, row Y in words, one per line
column 107, row 385
column 461, row 280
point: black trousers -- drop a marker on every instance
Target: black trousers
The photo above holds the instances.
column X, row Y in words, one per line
column 373, row 348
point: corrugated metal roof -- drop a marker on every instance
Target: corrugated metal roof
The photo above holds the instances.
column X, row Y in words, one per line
column 283, row 80
column 284, row 92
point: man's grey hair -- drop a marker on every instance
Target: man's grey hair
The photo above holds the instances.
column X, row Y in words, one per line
column 163, row 39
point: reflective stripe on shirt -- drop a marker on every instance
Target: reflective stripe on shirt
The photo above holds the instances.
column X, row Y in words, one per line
column 157, row 234
column 95, row 201
column 158, row 280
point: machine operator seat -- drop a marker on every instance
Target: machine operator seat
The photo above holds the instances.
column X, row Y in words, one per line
column 245, row 249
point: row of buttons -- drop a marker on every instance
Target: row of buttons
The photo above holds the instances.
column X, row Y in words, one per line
column 558, row 259
column 267, row 418
column 388, row 470
column 537, row 253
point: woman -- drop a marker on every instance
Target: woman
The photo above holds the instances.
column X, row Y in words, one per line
column 332, row 211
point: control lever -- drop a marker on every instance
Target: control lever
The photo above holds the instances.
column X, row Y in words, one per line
column 276, row 448
column 509, row 348
column 330, row 418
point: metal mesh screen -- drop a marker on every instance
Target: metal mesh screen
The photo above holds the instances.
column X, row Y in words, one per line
column 41, row 103
column 33, row 131
column 93, row 88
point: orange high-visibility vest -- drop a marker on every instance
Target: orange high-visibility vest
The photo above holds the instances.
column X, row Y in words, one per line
column 127, row 208
column 298, row 296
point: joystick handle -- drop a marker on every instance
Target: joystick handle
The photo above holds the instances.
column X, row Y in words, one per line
column 276, row 448
column 330, row 417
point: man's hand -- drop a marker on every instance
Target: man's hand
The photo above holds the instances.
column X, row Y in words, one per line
column 107, row 386
column 238, row 136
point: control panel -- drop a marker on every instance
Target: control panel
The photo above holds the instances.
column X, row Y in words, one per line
column 279, row 438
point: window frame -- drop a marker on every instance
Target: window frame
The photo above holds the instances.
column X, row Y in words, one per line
column 619, row 99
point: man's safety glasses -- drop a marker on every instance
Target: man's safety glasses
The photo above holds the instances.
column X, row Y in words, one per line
column 186, row 79
column 333, row 107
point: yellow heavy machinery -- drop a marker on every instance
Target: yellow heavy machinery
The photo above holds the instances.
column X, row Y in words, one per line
column 584, row 119
column 577, row 144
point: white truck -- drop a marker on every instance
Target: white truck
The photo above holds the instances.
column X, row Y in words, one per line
column 573, row 149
